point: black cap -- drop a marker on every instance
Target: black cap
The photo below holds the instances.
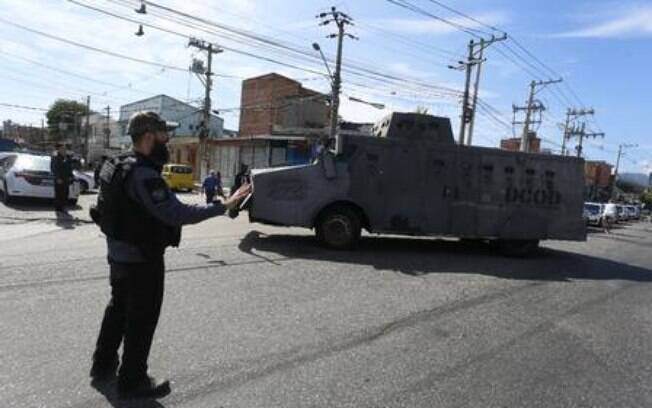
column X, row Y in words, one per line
column 142, row 122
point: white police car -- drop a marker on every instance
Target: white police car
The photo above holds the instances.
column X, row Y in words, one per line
column 28, row 175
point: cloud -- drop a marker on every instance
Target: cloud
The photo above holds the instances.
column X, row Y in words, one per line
column 635, row 22
column 646, row 166
column 435, row 27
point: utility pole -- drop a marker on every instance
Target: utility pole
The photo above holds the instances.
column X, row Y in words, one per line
column 581, row 134
column 107, row 127
column 87, row 127
column 620, row 153
column 621, row 147
column 43, row 134
column 565, row 135
column 466, row 117
column 208, row 85
column 342, row 21
column 474, row 58
column 532, row 107
column 483, row 44
column 585, row 135
column 572, row 113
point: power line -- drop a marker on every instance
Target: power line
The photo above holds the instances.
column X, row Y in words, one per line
column 11, row 105
column 408, row 6
column 459, row 13
column 409, row 41
column 349, row 68
column 91, row 48
column 546, row 69
column 353, row 70
column 187, row 37
column 80, row 76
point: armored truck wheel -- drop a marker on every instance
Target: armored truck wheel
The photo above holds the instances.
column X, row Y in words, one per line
column 339, row 228
column 517, row 247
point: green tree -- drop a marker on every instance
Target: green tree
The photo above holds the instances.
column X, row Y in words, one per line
column 629, row 187
column 646, row 198
column 65, row 118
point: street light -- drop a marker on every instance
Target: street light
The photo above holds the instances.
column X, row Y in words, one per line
column 316, row 47
column 376, row 105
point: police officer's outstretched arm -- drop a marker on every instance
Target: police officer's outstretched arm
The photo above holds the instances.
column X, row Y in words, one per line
column 148, row 188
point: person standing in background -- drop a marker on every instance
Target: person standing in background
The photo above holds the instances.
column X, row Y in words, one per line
column 209, row 186
column 61, row 168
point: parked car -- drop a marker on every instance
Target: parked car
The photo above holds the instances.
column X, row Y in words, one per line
column 178, row 176
column 622, row 213
column 593, row 213
column 610, row 213
column 634, row 212
column 86, row 181
column 26, row 175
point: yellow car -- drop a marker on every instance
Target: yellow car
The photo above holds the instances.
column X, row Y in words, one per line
column 178, row 176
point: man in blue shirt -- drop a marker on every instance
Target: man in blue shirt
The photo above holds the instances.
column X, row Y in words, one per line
column 209, row 186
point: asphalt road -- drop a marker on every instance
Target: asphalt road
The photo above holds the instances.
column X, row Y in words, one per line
column 263, row 317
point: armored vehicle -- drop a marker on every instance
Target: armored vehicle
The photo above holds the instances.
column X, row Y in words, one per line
column 411, row 178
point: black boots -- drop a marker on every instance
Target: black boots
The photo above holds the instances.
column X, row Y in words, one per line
column 147, row 387
column 103, row 371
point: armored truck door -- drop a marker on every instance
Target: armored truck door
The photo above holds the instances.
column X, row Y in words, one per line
column 402, row 183
column 438, row 174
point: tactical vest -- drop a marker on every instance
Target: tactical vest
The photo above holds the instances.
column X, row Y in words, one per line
column 122, row 218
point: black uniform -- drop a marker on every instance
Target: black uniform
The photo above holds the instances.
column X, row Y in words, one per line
column 241, row 179
column 61, row 169
column 141, row 217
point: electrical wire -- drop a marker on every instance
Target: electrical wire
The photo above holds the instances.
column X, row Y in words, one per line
column 352, row 69
column 459, row 13
column 542, row 69
column 11, row 105
column 408, row 6
column 363, row 72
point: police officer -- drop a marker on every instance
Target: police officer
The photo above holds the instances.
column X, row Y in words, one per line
column 61, row 169
column 141, row 217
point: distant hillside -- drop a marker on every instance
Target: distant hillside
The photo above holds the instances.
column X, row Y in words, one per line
column 638, row 179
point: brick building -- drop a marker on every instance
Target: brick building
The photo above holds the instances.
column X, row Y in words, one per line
column 597, row 173
column 514, row 144
column 597, row 180
column 273, row 103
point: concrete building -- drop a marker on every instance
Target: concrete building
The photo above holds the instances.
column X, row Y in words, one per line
column 188, row 117
column 514, row 144
column 185, row 141
column 104, row 137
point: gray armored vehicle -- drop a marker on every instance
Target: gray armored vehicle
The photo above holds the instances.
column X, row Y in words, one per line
column 411, row 178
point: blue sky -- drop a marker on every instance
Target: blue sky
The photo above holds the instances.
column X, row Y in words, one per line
column 602, row 48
